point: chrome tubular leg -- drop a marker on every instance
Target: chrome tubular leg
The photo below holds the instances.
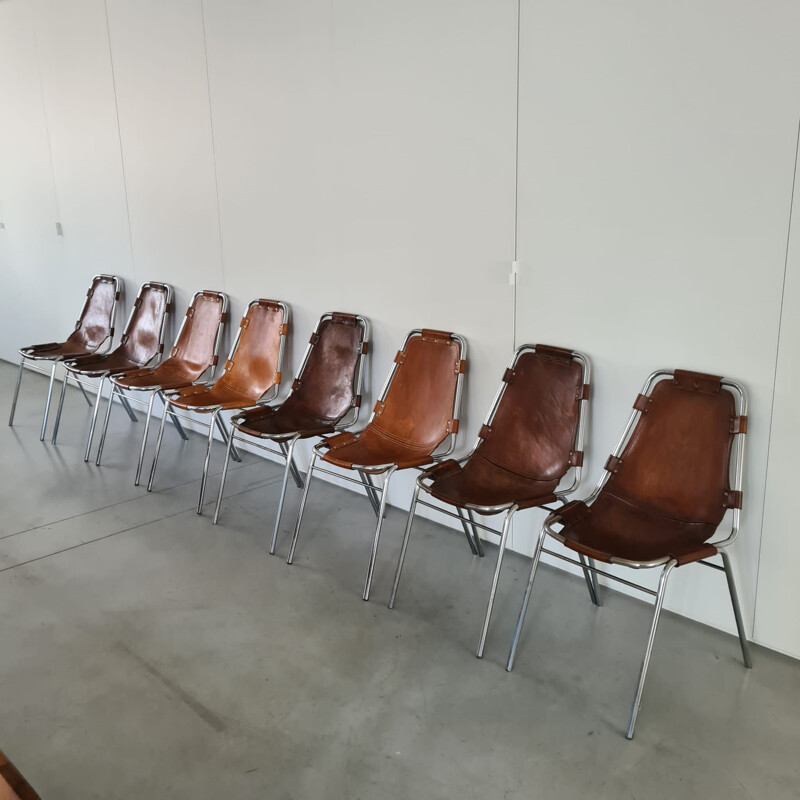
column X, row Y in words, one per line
column 637, row 699
column 85, row 396
column 224, row 477
column 144, row 439
column 207, row 462
column 60, row 407
column 302, row 508
column 158, row 450
column 406, row 536
column 47, row 402
column 537, row 554
column 105, row 424
column 589, row 576
column 487, row 619
column 94, row 418
column 369, row 488
column 126, row 405
column 467, row 531
column 381, row 514
column 475, row 535
column 173, row 418
column 16, row 391
column 298, row 480
column 737, row 611
column 289, row 462
column 225, row 435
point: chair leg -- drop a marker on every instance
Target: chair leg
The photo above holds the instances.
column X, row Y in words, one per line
column 16, row 391
column 83, row 392
column 104, row 431
column 173, row 418
column 591, row 580
column 296, row 477
column 94, row 417
column 144, row 438
column 226, row 435
column 495, row 581
column 60, row 407
column 381, row 514
column 637, row 698
column 737, row 611
column 406, row 536
column 303, row 499
column 47, row 402
column 126, row 405
column 158, row 449
column 467, row 531
column 224, row 477
column 207, row 462
column 475, row 535
column 537, row 554
column 372, row 492
column 289, row 464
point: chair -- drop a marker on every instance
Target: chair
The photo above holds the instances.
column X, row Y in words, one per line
column 414, row 423
column 533, row 436
column 12, row 785
column 94, row 328
column 252, row 376
column 142, row 343
column 665, row 491
column 194, row 355
column 325, row 398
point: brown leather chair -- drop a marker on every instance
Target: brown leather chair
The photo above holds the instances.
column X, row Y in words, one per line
column 414, row 423
column 533, row 436
column 12, row 785
column 94, row 328
column 666, row 489
column 325, row 398
column 192, row 359
column 252, row 376
column 142, row 343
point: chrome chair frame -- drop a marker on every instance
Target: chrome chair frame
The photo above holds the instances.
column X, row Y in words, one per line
column 424, row 482
column 105, row 374
column 26, row 355
column 215, row 411
column 366, row 472
column 287, row 441
column 667, row 564
column 206, row 377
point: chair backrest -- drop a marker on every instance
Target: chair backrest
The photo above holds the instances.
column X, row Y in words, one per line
column 196, row 344
column 420, row 401
column 328, row 383
column 143, row 338
column 676, row 459
column 96, row 322
column 254, row 364
column 533, row 427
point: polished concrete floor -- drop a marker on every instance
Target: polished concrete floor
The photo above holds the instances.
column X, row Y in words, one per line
column 146, row 653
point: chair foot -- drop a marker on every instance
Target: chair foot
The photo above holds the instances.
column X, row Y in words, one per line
column 737, row 611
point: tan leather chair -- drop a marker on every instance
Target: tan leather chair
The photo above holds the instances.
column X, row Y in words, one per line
column 666, row 490
column 414, row 423
column 532, row 438
column 94, row 328
column 12, row 785
column 192, row 359
column 325, row 398
column 252, row 376
column 142, row 343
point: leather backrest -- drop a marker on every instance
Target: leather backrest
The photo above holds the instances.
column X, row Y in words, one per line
column 141, row 339
column 325, row 386
column 677, row 459
column 255, row 362
column 194, row 348
column 418, row 407
column 533, row 429
column 94, row 325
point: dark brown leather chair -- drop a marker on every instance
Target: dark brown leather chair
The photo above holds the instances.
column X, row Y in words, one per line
column 416, row 414
column 325, row 398
column 142, row 343
column 192, row 359
column 533, row 436
column 666, row 489
column 252, row 376
column 12, row 785
column 94, row 328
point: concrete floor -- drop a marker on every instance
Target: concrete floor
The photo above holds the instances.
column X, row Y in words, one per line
column 146, row 653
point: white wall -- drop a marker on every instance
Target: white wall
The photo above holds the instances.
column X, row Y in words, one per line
column 360, row 156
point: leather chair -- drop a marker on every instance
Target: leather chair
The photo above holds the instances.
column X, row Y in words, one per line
column 666, row 490
column 12, row 785
column 192, row 359
column 94, row 328
column 252, row 376
column 414, row 423
column 142, row 343
column 533, row 436
column 325, row 398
